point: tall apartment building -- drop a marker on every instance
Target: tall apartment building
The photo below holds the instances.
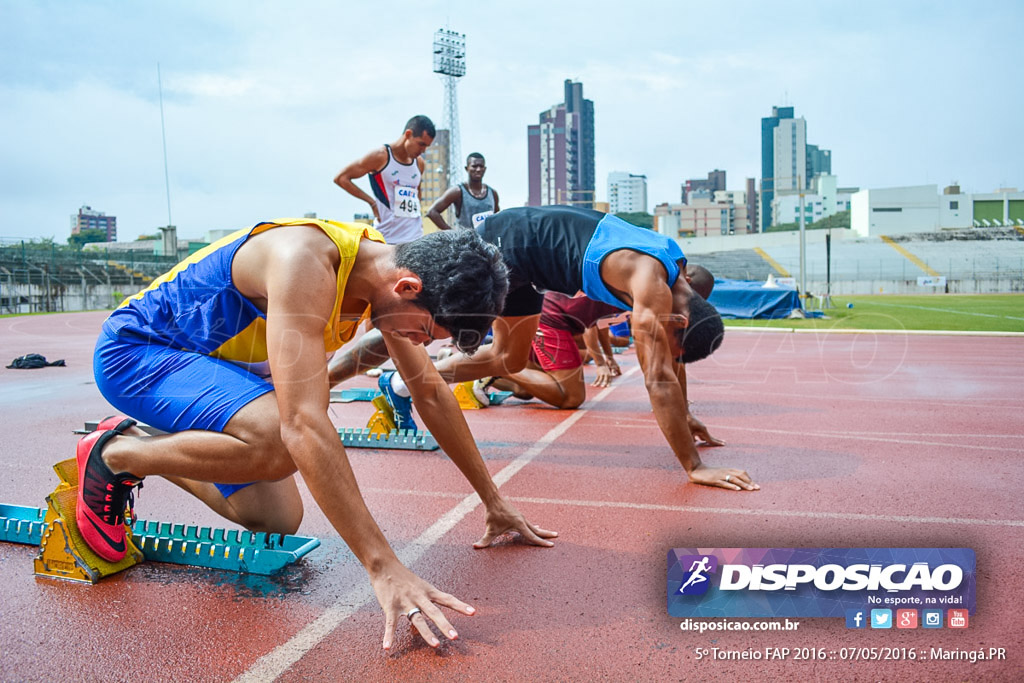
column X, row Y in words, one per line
column 703, row 188
column 560, row 148
column 627, row 192
column 87, row 219
column 788, row 163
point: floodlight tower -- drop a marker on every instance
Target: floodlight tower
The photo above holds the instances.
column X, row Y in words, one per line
column 450, row 63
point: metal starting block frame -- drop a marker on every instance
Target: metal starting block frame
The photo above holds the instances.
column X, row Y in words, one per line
column 396, row 439
column 245, row 552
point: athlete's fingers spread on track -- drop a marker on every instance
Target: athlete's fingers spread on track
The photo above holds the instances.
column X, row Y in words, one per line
column 389, row 628
column 502, row 518
column 431, row 612
column 543, row 533
column 450, row 601
column 399, row 591
column 701, row 434
column 723, row 477
column 742, row 480
column 486, row 540
column 419, row 622
column 706, row 439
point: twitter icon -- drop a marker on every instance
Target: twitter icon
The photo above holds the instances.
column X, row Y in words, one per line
column 881, row 618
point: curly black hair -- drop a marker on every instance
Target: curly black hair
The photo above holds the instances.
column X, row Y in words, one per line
column 703, row 335
column 464, row 282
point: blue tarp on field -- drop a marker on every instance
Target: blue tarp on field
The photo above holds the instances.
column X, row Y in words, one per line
column 746, row 299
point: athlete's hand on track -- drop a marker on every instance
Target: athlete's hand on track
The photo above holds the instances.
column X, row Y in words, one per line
column 604, row 376
column 399, row 591
column 724, row 477
column 700, row 432
column 614, row 367
column 503, row 518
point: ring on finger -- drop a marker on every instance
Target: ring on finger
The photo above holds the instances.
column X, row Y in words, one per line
column 727, row 478
column 413, row 612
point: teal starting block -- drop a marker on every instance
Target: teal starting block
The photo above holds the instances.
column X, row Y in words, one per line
column 357, row 394
column 397, row 439
column 245, row 552
column 406, row 439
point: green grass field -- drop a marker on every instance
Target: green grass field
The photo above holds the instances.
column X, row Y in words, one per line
column 956, row 312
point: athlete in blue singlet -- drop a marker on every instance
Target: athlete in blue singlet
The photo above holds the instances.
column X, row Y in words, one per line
column 571, row 250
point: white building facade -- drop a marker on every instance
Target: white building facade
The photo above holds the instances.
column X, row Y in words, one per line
column 823, row 201
column 627, row 192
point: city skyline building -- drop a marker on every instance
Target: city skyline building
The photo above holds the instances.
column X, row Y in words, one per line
column 823, row 199
column 560, row 150
column 703, row 187
column 627, row 192
column 725, row 212
column 788, row 163
column 88, row 219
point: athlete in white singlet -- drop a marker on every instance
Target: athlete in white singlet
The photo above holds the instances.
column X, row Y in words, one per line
column 395, row 172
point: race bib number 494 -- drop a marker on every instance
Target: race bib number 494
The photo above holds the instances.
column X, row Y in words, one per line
column 407, row 202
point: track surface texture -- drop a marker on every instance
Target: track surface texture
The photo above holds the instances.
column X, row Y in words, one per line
column 856, row 441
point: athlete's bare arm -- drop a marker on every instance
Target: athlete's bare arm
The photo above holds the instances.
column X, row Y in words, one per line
column 592, row 340
column 506, row 355
column 453, row 195
column 301, row 285
column 374, row 161
column 444, row 420
column 495, row 193
column 644, row 280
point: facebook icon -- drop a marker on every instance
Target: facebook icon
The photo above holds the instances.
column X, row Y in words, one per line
column 856, row 618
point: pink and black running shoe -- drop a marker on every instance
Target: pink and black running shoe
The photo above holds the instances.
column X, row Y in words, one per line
column 103, row 496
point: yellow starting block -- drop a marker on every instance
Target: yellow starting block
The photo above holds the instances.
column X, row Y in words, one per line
column 63, row 553
column 383, row 419
column 466, row 397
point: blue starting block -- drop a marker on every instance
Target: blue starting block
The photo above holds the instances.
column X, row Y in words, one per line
column 357, row 394
column 232, row 550
column 396, row 439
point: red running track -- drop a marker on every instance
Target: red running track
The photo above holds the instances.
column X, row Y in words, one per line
column 856, row 440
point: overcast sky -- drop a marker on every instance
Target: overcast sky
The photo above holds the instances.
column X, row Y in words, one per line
column 265, row 101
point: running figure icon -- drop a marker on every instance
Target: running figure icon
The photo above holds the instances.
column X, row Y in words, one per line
column 697, row 571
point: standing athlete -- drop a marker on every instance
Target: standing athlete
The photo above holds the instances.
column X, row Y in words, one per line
column 473, row 201
column 395, row 172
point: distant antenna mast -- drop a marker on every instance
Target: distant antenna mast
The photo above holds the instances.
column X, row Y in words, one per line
column 163, row 133
column 450, row 63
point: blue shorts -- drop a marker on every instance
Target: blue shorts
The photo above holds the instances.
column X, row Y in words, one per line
column 171, row 389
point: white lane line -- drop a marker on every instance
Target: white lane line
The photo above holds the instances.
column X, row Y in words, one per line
column 281, row 658
column 946, row 310
column 858, row 437
column 646, row 425
column 846, row 516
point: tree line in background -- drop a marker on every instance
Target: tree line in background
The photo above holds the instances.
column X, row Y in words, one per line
column 836, row 220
